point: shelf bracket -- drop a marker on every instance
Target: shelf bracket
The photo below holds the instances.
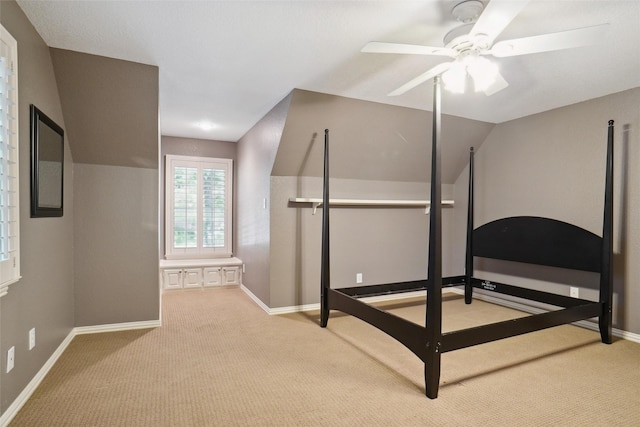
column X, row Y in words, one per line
column 315, row 207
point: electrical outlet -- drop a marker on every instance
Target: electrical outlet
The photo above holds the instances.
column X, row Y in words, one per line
column 358, row 277
column 11, row 355
column 574, row 292
column 32, row 338
column 243, row 268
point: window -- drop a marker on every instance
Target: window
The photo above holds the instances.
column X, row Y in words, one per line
column 9, row 200
column 198, row 207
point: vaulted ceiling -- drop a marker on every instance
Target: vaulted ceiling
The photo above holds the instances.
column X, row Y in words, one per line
column 229, row 62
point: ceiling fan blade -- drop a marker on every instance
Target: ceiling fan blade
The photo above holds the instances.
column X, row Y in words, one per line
column 548, row 42
column 496, row 16
column 381, row 47
column 438, row 69
column 496, row 86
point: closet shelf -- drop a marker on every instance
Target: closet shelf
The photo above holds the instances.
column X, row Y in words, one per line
column 315, row 203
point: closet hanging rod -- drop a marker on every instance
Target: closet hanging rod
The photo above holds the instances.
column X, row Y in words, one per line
column 317, row 202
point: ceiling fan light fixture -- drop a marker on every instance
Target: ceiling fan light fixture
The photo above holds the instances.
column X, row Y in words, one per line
column 483, row 72
column 455, row 78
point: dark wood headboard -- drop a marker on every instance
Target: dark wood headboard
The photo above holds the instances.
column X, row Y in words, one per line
column 537, row 240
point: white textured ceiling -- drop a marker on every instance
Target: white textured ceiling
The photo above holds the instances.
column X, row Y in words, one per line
column 230, row 62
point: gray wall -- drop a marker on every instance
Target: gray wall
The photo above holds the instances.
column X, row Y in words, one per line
column 111, row 111
column 98, row 263
column 256, row 155
column 552, row 164
column 116, row 240
column 377, row 152
column 197, row 148
column 43, row 298
column 384, row 244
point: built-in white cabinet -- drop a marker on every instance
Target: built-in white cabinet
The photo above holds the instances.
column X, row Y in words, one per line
column 220, row 276
column 231, row 275
column 212, row 276
column 193, row 274
column 171, row 278
column 192, row 278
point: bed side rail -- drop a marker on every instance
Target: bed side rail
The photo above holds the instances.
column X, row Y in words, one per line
column 396, row 288
column 496, row 331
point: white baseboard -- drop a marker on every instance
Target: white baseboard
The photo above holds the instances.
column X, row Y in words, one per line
column 116, row 327
column 255, row 299
column 316, row 306
column 26, row 393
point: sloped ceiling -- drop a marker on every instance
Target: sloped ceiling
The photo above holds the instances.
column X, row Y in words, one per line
column 371, row 141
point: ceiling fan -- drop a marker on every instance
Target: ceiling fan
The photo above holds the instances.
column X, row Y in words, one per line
column 470, row 43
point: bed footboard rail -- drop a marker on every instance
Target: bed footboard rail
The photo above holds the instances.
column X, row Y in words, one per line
column 412, row 335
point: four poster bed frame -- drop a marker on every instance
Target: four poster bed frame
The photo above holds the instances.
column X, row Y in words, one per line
column 534, row 240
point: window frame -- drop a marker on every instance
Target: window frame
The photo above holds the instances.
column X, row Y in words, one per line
column 10, row 188
column 199, row 252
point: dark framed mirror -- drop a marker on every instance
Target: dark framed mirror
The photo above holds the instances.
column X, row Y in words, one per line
column 47, row 165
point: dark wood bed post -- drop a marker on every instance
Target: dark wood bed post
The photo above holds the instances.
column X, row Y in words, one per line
column 468, row 270
column 434, row 277
column 324, row 269
column 606, row 276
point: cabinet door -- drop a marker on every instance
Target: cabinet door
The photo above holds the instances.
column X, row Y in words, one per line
column 172, row 278
column 212, row 276
column 231, row 275
column 192, row 278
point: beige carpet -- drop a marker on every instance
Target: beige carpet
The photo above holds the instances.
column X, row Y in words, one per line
column 219, row 360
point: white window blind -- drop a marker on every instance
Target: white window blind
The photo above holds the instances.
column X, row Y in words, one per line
column 9, row 196
column 198, row 207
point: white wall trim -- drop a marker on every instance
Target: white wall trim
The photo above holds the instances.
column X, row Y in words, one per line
column 255, row 299
column 116, row 327
column 26, row 393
